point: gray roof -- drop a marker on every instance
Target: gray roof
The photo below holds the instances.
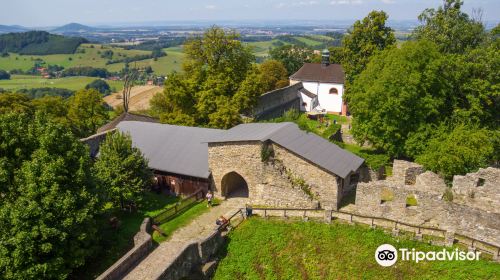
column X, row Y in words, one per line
column 306, row 145
column 170, row 148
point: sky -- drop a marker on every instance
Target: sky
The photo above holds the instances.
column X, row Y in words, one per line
column 37, row 13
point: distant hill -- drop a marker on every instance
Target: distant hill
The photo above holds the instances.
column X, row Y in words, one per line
column 73, row 28
column 12, row 28
column 39, row 43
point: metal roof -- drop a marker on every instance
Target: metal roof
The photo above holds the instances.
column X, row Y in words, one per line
column 170, row 148
column 316, row 72
column 306, row 145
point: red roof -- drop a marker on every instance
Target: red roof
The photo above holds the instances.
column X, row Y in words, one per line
column 316, row 72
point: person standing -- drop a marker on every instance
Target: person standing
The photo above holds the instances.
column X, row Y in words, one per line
column 209, row 197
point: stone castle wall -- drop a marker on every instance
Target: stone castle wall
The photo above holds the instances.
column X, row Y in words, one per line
column 267, row 183
column 480, row 190
column 324, row 185
column 463, row 216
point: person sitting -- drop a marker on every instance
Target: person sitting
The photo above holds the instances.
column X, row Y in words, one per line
column 221, row 221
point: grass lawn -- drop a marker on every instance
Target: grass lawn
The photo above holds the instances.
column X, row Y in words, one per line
column 182, row 219
column 17, row 82
column 275, row 249
column 116, row 242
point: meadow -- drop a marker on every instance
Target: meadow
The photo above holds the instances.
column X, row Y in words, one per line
column 90, row 55
column 277, row 249
column 17, row 82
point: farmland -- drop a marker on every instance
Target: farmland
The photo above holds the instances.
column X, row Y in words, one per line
column 274, row 249
column 73, row 83
column 90, row 55
column 139, row 97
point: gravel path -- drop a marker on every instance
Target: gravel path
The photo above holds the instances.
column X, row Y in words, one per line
column 154, row 264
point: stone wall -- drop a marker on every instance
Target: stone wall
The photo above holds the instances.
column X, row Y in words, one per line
column 324, row 185
column 183, row 264
column 406, row 172
column 463, row 217
column 267, row 185
column 143, row 244
column 274, row 103
column 479, row 190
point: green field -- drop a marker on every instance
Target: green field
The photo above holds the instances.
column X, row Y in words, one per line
column 276, row 249
column 73, row 83
column 91, row 57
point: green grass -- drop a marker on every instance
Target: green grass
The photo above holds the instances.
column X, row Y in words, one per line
column 183, row 219
column 308, row 41
column 373, row 158
column 17, row 82
column 116, row 242
column 275, row 249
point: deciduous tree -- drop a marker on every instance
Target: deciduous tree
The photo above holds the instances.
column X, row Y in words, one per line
column 121, row 169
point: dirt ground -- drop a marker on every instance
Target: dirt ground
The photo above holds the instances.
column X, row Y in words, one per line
column 139, row 97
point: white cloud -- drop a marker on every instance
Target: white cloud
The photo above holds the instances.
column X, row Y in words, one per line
column 346, row 2
column 296, row 4
column 210, row 7
column 388, row 1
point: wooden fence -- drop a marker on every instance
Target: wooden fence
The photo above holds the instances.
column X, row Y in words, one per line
column 328, row 215
column 181, row 205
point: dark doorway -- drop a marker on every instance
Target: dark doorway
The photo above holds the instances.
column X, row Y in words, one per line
column 233, row 185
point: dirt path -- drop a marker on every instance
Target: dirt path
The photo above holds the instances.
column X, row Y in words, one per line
column 155, row 263
column 139, row 97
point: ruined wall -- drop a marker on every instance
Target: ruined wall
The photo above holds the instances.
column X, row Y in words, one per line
column 266, row 184
column 324, row 185
column 479, row 190
column 405, row 172
column 388, row 199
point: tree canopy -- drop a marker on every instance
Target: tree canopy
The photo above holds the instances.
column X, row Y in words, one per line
column 292, row 57
column 86, row 112
column 214, row 86
column 450, row 28
column 99, row 85
column 48, row 202
column 121, row 170
column 434, row 99
column 363, row 40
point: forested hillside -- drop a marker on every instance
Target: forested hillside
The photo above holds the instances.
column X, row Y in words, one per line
column 39, row 43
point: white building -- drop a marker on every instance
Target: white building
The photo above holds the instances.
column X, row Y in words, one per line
column 323, row 86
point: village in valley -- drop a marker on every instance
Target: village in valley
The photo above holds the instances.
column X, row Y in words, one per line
column 233, row 149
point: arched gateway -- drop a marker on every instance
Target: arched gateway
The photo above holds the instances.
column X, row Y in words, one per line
column 234, row 185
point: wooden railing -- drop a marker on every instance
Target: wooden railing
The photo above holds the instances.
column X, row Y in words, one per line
column 171, row 212
column 471, row 243
column 239, row 212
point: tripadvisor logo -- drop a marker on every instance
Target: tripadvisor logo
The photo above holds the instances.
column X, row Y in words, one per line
column 387, row 255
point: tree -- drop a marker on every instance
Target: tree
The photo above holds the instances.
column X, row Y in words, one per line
column 401, row 90
column 451, row 29
column 121, row 169
column 49, row 203
column 53, row 107
column 99, row 85
column 292, row 57
column 4, row 75
column 363, row 40
column 86, row 112
column 15, row 102
column 273, row 75
column 209, row 89
column 459, row 150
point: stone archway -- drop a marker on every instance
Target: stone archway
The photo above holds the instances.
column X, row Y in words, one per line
column 234, row 185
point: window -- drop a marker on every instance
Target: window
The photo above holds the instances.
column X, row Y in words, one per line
column 334, row 91
column 304, row 104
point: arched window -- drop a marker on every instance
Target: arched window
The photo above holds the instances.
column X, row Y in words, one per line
column 334, row 91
